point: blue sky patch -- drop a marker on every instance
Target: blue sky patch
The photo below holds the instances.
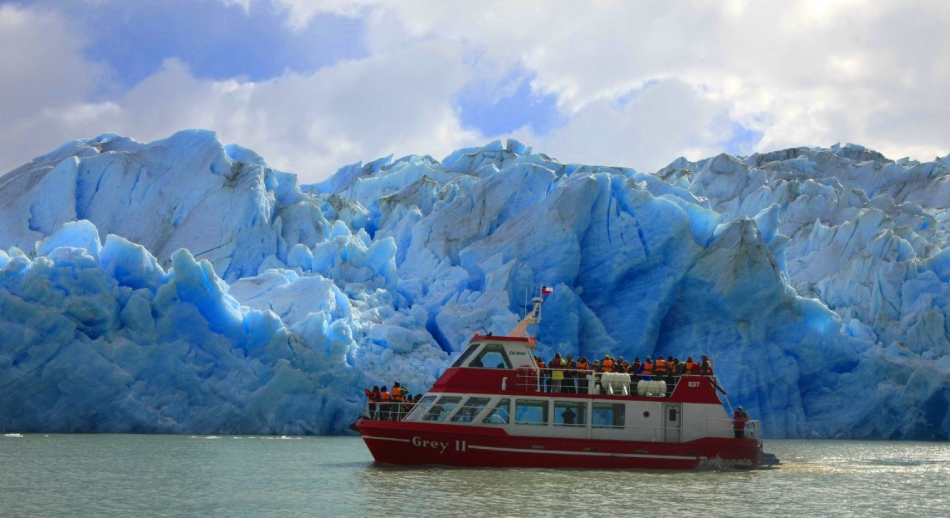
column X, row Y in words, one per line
column 743, row 140
column 215, row 41
column 496, row 114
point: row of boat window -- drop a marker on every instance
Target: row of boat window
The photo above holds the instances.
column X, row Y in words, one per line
column 477, row 409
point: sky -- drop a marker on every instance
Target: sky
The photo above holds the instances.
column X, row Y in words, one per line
column 315, row 85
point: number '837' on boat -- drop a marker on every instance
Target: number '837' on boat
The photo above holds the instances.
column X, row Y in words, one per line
column 493, row 408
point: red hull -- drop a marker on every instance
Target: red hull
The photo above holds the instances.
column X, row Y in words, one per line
column 417, row 443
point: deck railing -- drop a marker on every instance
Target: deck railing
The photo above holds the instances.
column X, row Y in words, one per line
column 577, row 381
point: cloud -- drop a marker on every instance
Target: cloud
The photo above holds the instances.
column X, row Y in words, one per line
column 310, row 124
column 798, row 73
column 619, row 83
column 662, row 121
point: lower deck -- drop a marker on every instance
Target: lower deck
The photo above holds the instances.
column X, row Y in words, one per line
column 569, row 417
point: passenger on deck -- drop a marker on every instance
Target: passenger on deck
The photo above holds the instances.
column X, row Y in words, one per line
column 570, row 375
column 706, row 367
column 739, row 420
column 384, row 399
column 618, row 364
column 542, row 374
column 583, row 369
column 557, row 366
column 635, row 368
column 373, row 396
column 395, row 410
column 407, row 405
column 673, row 370
column 646, row 369
column 607, row 364
column 691, row 366
column 659, row 368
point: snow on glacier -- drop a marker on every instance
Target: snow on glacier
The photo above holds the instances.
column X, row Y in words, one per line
column 185, row 286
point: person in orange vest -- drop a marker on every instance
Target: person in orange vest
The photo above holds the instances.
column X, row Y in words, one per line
column 373, row 397
column 583, row 369
column 646, row 369
column 384, row 399
column 399, row 396
column 739, row 420
column 691, row 366
column 659, row 368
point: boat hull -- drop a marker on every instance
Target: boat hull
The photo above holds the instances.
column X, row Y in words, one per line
column 415, row 443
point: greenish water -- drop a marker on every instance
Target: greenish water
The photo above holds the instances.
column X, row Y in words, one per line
column 156, row 475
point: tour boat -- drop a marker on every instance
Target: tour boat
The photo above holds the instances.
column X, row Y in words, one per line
column 491, row 408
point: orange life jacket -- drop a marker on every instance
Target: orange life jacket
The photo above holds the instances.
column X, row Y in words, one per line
column 690, row 366
column 706, row 368
column 660, row 367
column 647, row 368
column 397, row 395
column 583, row 366
column 607, row 365
column 385, row 396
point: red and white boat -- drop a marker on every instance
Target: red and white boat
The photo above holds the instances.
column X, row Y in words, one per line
column 489, row 409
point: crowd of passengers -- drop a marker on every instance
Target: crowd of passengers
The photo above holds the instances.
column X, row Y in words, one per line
column 565, row 375
column 562, row 375
column 386, row 404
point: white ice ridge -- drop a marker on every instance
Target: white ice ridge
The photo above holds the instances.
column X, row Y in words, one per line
column 184, row 286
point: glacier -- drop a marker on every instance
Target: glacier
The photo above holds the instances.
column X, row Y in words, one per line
column 184, row 286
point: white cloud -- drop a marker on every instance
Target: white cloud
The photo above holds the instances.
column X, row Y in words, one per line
column 43, row 84
column 393, row 103
column 639, row 83
column 802, row 73
column 664, row 121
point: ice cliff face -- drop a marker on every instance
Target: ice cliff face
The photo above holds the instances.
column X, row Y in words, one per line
column 184, row 286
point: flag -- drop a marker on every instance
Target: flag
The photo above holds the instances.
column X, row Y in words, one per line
column 546, row 290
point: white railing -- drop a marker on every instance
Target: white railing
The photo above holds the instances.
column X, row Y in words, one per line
column 578, row 381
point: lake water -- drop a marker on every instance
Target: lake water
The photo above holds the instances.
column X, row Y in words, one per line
column 155, row 475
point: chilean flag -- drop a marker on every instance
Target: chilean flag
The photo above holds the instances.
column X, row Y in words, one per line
column 546, row 290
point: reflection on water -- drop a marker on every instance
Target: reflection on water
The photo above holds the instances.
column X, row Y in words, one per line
column 122, row 475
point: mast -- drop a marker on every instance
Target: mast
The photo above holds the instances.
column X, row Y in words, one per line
column 533, row 316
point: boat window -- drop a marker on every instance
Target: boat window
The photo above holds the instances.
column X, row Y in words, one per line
column 464, row 356
column 531, row 411
column 472, row 407
column 498, row 415
column 420, row 408
column 442, row 408
column 608, row 415
column 493, row 356
column 570, row 413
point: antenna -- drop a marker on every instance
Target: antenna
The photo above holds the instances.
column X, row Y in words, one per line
column 533, row 317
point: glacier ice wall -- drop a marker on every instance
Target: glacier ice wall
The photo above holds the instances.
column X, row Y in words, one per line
column 185, row 286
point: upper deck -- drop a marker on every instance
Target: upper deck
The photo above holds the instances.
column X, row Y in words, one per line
column 505, row 365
